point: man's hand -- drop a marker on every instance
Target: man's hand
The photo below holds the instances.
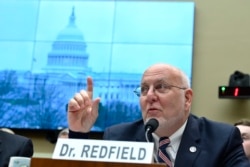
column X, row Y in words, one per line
column 82, row 110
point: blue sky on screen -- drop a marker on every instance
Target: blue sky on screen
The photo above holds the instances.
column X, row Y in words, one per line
column 118, row 34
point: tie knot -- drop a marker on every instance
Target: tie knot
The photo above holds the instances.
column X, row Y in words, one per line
column 164, row 142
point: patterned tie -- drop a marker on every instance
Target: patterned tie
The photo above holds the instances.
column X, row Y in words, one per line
column 162, row 153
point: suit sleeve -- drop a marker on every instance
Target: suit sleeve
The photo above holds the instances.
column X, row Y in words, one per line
column 26, row 149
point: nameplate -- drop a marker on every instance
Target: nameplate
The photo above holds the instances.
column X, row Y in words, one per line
column 104, row 150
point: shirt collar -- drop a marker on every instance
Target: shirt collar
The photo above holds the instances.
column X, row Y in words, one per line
column 175, row 138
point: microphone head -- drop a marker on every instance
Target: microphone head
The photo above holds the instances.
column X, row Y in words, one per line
column 151, row 125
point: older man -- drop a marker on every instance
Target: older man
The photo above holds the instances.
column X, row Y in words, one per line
column 165, row 95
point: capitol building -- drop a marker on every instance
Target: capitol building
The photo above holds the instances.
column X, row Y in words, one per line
column 48, row 56
column 65, row 74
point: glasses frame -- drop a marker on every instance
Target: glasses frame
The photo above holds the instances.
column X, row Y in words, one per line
column 137, row 90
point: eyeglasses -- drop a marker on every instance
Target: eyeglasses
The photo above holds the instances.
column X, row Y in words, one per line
column 159, row 88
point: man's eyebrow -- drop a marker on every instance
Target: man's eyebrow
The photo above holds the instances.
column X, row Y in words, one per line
column 245, row 134
column 242, row 134
column 161, row 80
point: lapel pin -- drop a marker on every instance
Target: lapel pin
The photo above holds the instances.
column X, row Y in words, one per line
column 192, row 149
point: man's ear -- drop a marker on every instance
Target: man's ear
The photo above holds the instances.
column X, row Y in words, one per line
column 188, row 98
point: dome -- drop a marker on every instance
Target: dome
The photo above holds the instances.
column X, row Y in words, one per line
column 71, row 32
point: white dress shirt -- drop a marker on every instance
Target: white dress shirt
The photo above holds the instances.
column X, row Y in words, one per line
column 172, row 148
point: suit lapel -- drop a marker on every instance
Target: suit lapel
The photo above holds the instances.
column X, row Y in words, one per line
column 140, row 133
column 190, row 146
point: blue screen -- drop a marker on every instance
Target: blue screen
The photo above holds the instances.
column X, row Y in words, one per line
column 49, row 47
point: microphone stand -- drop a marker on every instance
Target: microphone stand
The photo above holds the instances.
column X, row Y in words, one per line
column 148, row 135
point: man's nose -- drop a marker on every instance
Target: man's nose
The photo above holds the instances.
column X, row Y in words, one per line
column 151, row 96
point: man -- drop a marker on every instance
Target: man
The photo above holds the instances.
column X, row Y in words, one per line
column 165, row 95
column 13, row 145
column 244, row 127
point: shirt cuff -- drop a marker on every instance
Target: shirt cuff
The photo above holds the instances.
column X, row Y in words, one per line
column 78, row 135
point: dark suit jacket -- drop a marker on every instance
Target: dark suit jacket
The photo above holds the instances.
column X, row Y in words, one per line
column 13, row 145
column 217, row 144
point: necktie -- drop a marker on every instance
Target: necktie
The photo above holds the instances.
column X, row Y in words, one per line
column 162, row 153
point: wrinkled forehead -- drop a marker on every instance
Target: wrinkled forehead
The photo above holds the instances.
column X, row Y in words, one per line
column 161, row 73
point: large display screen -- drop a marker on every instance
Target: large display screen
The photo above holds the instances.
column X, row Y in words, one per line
column 49, row 47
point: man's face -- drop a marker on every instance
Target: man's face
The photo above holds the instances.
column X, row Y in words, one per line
column 169, row 105
column 245, row 134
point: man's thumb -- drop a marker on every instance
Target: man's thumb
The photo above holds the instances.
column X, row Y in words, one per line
column 96, row 103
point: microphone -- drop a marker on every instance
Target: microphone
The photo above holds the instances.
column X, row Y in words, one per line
column 150, row 127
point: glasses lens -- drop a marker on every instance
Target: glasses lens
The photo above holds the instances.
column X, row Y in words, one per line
column 137, row 91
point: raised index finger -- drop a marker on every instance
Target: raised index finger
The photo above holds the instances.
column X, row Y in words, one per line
column 90, row 87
